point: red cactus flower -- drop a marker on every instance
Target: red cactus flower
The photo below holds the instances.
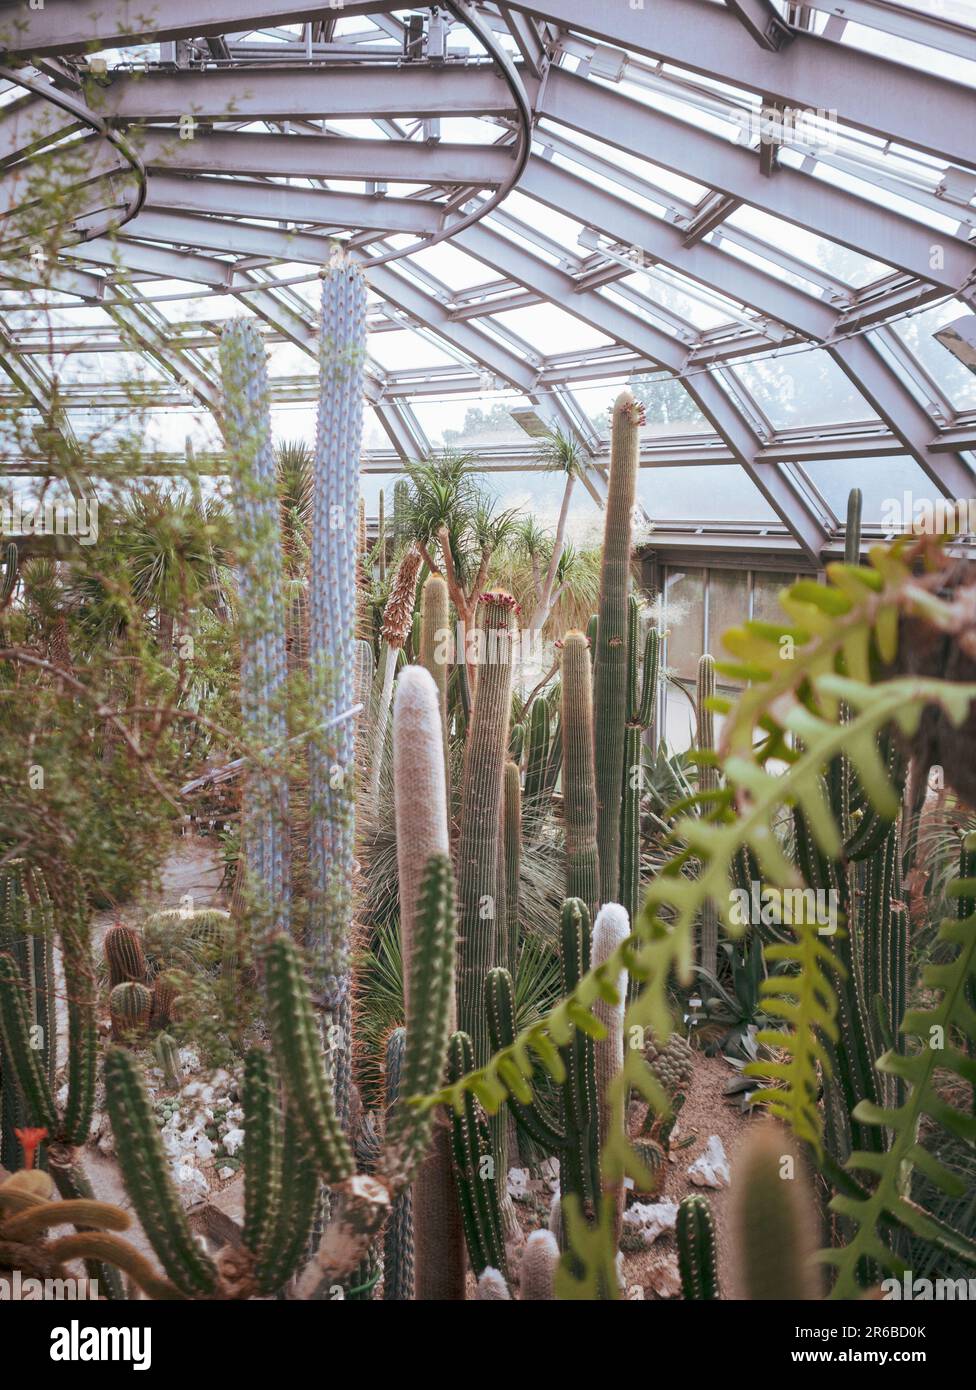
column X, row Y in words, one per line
column 29, row 1140
column 506, row 600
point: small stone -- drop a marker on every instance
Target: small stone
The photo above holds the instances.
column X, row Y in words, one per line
column 648, row 1220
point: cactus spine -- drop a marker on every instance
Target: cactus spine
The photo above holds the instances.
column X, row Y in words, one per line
column 420, row 803
column 579, row 772
column 480, row 811
column 610, row 658
column 264, row 661
column 695, row 1230
column 476, row 1179
column 332, row 632
column 707, row 782
column 641, row 690
column 130, row 1006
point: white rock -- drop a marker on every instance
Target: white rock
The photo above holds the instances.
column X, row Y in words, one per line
column 549, row 1171
column 190, row 1182
column 225, row 1173
column 204, row 1147
column 518, row 1184
column 192, row 1089
column 651, row 1219
column 663, row 1276
column 711, row 1168
column 233, row 1140
column 172, row 1144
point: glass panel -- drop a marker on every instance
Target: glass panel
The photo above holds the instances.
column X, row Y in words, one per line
column 466, row 424
column 803, row 388
column 679, row 718
column 956, row 382
column 765, row 594
column 539, row 495
column 882, row 481
column 728, row 606
column 702, row 492
column 684, row 617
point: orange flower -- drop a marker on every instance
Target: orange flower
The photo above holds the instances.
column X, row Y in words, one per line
column 29, row 1139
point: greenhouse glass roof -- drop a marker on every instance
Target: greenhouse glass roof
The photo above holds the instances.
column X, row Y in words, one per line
column 757, row 214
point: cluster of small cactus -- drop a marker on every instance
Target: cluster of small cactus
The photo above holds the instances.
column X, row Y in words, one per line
column 672, row 1062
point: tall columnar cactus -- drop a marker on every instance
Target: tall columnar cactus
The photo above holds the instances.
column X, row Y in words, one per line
column 610, row 658
column 146, row 1174
column 774, row 1222
column 478, row 1184
column 264, row 661
column 477, row 854
column 508, row 942
column 570, row 1130
column 641, row 691
column 26, row 932
column 579, row 773
column 124, row 955
column 67, row 1127
column 707, row 782
column 612, row 927
column 398, row 1239
column 435, row 649
column 852, row 531
column 130, row 1006
column 332, row 634
column 381, row 535
column 9, row 581
column 397, row 618
column 695, row 1230
column 401, row 513
column 420, row 804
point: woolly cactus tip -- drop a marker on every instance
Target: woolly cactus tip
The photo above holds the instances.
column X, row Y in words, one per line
column 502, row 599
column 492, row 1286
column 415, row 686
column 629, row 408
column 612, row 926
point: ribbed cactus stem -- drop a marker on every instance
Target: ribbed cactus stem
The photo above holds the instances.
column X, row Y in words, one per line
column 492, row 1287
column 420, row 805
column 397, row 618
column 610, row 657
column 262, row 1170
column 476, row 1179
column 579, row 1171
column 641, row 691
column 398, row 1240
column 381, row 535
column 130, row 1006
column 18, row 1054
column 852, row 531
column 579, row 772
column 695, row 1230
column 508, row 944
column 264, row 661
column 435, row 649
column 167, row 1051
column 707, row 782
column 298, row 1051
column 124, row 955
column 10, row 565
column 540, row 1258
column 332, row 628
column 774, row 1222
column 145, row 1170
column 477, row 855
column 611, row 929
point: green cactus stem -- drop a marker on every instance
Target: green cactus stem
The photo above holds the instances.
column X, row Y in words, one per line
column 540, row 1258
column 707, row 782
column 398, row 1239
column 773, row 1219
column 481, row 794
column 610, row 653
column 508, row 943
column 475, row 1177
column 262, row 1152
column 124, row 956
column 579, row 772
column 695, row 1230
column 130, row 1008
column 145, row 1170
column 641, row 692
